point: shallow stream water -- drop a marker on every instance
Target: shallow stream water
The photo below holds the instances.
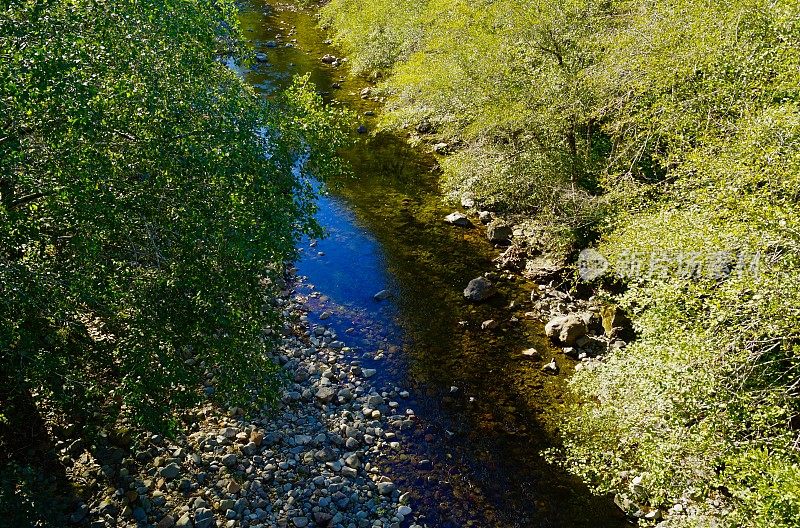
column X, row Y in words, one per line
column 484, row 411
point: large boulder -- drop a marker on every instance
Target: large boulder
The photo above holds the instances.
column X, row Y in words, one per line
column 479, row 289
column 566, row 329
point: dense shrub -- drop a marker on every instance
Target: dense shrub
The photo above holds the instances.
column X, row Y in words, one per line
column 670, row 128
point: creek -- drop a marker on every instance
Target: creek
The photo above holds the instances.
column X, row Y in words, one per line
column 484, row 411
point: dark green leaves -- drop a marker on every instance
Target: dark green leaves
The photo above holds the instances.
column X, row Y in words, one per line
column 142, row 224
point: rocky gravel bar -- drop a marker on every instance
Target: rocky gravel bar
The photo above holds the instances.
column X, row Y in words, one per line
column 314, row 461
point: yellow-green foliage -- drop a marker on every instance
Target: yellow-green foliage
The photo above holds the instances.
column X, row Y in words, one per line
column 672, row 128
column 505, row 78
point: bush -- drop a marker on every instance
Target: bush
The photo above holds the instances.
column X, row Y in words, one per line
column 671, row 129
column 148, row 200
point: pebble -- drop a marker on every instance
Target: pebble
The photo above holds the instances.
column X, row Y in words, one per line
column 170, row 471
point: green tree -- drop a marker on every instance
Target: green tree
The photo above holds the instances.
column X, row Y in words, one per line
column 148, row 201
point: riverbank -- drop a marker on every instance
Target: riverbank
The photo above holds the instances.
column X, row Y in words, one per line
column 660, row 139
column 315, row 460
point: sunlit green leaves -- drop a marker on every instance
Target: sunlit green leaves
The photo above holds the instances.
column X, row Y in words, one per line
column 141, row 220
column 663, row 128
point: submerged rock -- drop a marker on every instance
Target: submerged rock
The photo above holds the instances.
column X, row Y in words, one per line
column 382, row 295
column 479, row 289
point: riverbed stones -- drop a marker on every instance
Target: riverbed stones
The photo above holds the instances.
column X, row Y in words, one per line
column 542, row 269
column 375, row 401
column 424, row 127
column 479, row 289
column 441, row 148
column 489, row 324
column 531, row 353
column 168, row 521
column 513, row 258
column 566, row 329
column 386, row 488
column 325, row 394
column 551, row 367
column 170, row 471
column 458, row 219
column 204, row 518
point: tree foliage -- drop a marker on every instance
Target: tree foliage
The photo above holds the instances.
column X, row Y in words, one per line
column 148, row 200
column 671, row 129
